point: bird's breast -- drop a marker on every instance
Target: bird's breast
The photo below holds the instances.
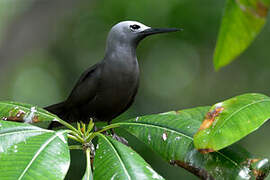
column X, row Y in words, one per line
column 119, row 82
column 121, row 76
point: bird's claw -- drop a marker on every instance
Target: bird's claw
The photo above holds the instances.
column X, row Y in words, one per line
column 120, row 139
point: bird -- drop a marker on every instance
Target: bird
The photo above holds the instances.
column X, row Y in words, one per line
column 108, row 88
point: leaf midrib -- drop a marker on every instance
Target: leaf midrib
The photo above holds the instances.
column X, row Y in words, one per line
column 159, row 127
column 38, row 153
column 117, row 155
column 25, row 108
column 25, row 131
column 237, row 111
column 191, row 138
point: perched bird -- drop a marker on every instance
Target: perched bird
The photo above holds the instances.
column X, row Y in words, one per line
column 109, row 87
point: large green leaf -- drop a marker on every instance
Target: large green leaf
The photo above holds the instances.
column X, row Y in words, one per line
column 171, row 136
column 241, row 23
column 20, row 112
column 113, row 160
column 29, row 152
column 231, row 120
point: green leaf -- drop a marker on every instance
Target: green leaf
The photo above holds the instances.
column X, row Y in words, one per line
column 171, row 136
column 231, row 120
column 114, row 160
column 241, row 23
column 29, row 152
column 20, row 112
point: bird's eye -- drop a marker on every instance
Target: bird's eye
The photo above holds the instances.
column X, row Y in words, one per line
column 135, row 26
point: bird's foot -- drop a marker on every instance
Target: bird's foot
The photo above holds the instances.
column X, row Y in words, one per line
column 115, row 136
column 120, row 139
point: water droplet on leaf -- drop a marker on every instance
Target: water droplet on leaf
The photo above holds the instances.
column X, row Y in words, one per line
column 177, row 138
column 244, row 173
column 164, row 136
column 149, row 137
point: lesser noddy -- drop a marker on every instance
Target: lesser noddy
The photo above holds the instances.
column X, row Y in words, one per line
column 109, row 87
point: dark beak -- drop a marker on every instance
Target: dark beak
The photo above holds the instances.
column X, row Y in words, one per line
column 151, row 31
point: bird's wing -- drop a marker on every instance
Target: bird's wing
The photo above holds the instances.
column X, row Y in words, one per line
column 86, row 87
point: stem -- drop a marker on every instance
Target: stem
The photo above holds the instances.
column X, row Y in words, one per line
column 68, row 125
column 77, row 147
column 88, row 172
column 83, row 129
column 89, row 137
column 89, row 127
column 108, row 127
column 92, row 135
column 76, row 138
column 79, row 128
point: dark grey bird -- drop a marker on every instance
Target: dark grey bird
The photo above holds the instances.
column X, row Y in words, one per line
column 108, row 88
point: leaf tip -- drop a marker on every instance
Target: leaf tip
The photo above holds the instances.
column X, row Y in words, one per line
column 217, row 65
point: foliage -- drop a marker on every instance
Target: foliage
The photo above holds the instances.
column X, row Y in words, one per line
column 124, row 163
column 44, row 153
column 241, row 23
column 233, row 119
column 200, row 140
column 28, row 152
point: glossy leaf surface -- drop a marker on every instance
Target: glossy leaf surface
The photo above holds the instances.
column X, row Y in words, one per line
column 114, row 160
column 171, row 136
column 29, row 152
column 230, row 120
column 241, row 23
column 20, row 112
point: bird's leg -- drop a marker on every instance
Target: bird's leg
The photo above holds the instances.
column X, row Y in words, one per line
column 116, row 137
column 120, row 139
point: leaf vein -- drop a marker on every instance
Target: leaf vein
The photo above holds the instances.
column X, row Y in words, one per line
column 235, row 112
column 38, row 153
column 117, row 155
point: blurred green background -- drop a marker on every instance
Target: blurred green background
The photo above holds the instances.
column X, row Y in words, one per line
column 46, row 44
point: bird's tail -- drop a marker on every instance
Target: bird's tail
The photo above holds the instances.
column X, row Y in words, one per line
column 59, row 110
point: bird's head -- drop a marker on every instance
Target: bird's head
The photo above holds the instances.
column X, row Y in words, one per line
column 130, row 33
